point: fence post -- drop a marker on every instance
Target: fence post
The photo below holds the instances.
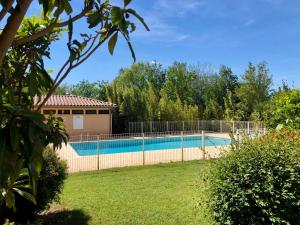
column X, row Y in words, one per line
column 248, row 127
column 142, row 127
column 238, row 137
column 233, row 127
column 203, row 143
column 98, row 163
column 181, row 146
column 167, row 126
column 143, row 148
column 80, row 137
column 182, row 125
column 151, row 127
column 198, row 125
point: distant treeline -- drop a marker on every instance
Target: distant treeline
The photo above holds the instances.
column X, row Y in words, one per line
column 146, row 92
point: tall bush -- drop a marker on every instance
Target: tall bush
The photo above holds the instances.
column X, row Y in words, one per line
column 258, row 182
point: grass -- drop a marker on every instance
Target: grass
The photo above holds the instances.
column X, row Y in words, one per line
column 160, row 194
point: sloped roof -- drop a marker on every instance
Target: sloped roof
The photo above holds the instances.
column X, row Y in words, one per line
column 72, row 100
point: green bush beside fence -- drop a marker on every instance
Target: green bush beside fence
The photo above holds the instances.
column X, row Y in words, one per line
column 258, row 182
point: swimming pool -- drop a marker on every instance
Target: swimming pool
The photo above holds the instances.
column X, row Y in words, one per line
column 150, row 144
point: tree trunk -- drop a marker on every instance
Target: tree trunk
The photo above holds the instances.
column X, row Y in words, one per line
column 12, row 26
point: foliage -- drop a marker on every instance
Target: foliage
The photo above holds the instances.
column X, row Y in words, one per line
column 258, row 182
column 51, row 180
column 95, row 90
column 284, row 109
column 24, row 78
column 178, row 83
column 176, row 110
column 50, row 184
column 254, row 90
column 24, row 133
column 148, row 92
column 136, row 92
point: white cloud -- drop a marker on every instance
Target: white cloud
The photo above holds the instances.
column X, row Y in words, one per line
column 161, row 19
column 161, row 30
column 179, row 7
column 248, row 23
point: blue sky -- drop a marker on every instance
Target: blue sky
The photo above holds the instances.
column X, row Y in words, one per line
column 229, row 32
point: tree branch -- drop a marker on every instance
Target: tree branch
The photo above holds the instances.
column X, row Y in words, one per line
column 6, row 9
column 71, row 67
column 13, row 23
column 95, row 48
column 47, row 30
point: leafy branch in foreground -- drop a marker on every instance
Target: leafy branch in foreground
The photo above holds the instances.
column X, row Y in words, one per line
column 24, row 44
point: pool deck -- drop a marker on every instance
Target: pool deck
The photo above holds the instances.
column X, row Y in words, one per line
column 78, row 163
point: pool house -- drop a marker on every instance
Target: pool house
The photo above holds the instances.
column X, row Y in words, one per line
column 81, row 115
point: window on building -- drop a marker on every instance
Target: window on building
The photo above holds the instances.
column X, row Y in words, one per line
column 62, row 112
column 77, row 111
column 90, row 111
column 103, row 111
column 49, row 111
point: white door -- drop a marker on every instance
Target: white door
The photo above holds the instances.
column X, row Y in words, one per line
column 77, row 122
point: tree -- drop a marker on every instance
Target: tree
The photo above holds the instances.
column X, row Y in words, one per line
column 170, row 110
column 152, row 99
column 179, row 83
column 63, row 89
column 96, row 90
column 254, row 90
column 24, row 44
column 229, row 81
column 136, row 92
column 232, row 112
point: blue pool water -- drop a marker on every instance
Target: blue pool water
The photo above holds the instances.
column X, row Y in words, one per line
column 151, row 144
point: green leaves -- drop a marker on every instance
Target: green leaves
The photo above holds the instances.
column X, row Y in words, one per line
column 23, row 139
column 59, row 6
column 284, row 109
column 117, row 15
column 17, row 184
column 67, row 7
column 126, row 2
column 112, row 43
column 260, row 181
column 94, row 19
column 133, row 12
column 24, row 133
column 131, row 50
column 25, row 194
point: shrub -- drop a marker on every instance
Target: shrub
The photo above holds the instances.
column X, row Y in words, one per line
column 49, row 187
column 284, row 109
column 258, row 183
column 51, row 180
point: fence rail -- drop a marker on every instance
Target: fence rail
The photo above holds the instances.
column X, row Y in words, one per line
column 221, row 126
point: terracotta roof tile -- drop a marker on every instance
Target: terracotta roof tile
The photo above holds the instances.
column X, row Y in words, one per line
column 73, row 100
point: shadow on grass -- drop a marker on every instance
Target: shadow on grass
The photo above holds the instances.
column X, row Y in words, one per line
column 65, row 217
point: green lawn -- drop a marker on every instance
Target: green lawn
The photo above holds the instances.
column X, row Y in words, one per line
column 161, row 194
